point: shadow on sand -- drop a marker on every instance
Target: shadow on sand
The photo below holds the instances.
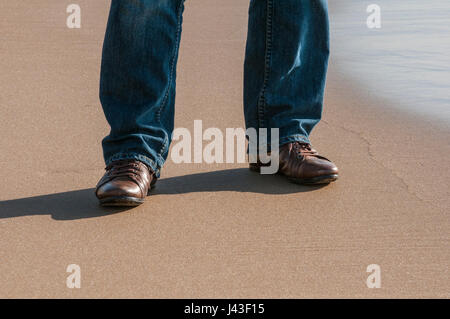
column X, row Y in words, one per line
column 83, row 204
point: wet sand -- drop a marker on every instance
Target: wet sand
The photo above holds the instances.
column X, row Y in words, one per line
column 405, row 59
column 208, row 230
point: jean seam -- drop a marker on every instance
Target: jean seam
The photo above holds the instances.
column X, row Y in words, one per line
column 172, row 68
column 267, row 59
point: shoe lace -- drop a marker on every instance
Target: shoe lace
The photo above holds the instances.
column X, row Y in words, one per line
column 124, row 168
column 303, row 149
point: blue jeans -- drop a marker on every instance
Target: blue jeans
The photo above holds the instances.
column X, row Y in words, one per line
column 284, row 73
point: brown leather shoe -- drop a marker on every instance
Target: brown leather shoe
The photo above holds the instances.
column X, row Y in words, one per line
column 125, row 183
column 303, row 165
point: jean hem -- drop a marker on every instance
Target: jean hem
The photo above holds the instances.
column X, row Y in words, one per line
column 154, row 166
column 287, row 139
column 294, row 138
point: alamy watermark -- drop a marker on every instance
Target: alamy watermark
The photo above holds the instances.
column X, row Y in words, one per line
column 220, row 147
column 74, row 19
column 374, row 279
column 374, row 19
column 74, row 279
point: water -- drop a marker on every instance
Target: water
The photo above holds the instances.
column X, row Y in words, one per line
column 407, row 60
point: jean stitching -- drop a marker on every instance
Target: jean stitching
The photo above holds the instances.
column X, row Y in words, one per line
column 172, row 68
column 164, row 146
column 267, row 60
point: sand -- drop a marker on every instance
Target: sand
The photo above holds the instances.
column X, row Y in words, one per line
column 209, row 231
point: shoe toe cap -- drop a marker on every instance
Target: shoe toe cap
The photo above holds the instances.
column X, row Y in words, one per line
column 118, row 188
column 320, row 167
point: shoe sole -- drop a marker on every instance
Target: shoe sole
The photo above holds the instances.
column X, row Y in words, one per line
column 121, row 201
column 319, row 180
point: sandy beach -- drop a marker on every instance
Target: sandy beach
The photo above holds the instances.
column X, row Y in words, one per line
column 208, row 231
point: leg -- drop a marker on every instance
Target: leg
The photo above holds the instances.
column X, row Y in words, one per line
column 285, row 66
column 284, row 80
column 137, row 83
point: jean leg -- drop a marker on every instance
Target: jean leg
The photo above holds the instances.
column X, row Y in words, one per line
column 137, row 82
column 285, row 66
